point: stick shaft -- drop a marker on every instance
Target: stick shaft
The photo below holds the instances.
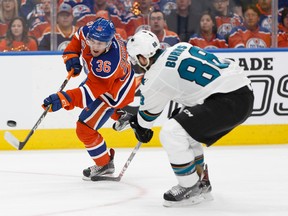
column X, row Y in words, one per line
column 129, row 159
column 22, row 144
column 126, row 165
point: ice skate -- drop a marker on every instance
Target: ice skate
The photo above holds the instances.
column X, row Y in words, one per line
column 100, row 170
column 123, row 122
column 179, row 196
column 205, row 182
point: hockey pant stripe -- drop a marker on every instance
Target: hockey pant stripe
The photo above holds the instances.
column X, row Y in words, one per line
column 96, row 114
column 97, row 150
column 199, row 160
column 94, row 143
column 183, row 169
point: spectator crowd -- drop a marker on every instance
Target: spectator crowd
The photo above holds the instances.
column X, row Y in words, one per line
column 26, row 25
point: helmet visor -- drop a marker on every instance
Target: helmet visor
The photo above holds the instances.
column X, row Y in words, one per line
column 95, row 44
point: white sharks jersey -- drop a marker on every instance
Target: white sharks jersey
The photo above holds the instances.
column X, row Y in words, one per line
column 188, row 75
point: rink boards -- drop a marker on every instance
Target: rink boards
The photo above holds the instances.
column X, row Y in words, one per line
column 67, row 139
column 31, row 78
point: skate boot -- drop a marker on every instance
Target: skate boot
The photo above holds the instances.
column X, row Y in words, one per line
column 180, row 196
column 205, row 182
column 123, row 122
column 100, row 170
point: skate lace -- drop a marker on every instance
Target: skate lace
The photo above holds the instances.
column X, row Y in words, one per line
column 95, row 169
column 177, row 190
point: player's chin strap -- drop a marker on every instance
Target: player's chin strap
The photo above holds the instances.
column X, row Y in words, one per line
column 108, row 46
column 147, row 66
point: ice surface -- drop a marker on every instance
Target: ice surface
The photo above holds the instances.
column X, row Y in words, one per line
column 245, row 180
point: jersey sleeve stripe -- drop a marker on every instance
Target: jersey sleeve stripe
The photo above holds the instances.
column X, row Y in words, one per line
column 114, row 102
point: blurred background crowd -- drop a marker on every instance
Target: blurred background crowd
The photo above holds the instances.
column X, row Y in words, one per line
column 31, row 25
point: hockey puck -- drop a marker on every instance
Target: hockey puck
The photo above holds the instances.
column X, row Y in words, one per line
column 11, row 123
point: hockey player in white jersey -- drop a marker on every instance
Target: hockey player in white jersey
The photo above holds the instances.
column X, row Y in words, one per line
column 216, row 97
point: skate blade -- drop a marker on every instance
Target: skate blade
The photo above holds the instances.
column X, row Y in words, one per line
column 189, row 202
column 84, row 178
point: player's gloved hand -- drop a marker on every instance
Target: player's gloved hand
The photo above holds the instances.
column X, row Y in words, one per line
column 58, row 101
column 72, row 61
column 123, row 122
column 143, row 135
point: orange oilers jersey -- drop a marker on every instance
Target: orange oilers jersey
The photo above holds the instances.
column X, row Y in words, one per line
column 282, row 39
column 3, row 29
column 38, row 29
column 109, row 77
column 241, row 37
column 136, row 23
column 225, row 24
column 31, row 45
column 214, row 43
column 265, row 19
column 169, row 39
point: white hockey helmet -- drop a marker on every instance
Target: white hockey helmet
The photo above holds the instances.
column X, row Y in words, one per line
column 143, row 43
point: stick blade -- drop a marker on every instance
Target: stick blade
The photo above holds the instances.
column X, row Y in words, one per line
column 105, row 178
column 12, row 140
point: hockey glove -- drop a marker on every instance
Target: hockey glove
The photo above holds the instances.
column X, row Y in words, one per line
column 123, row 122
column 143, row 135
column 72, row 61
column 58, row 101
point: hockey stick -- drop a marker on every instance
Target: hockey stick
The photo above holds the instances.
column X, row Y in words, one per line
column 12, row 140
column 118, row 178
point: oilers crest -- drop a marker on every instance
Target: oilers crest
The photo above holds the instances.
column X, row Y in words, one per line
column 62, row 46
column 79, row 10
column 224, row 29
column 267, row 23
column 256, row 43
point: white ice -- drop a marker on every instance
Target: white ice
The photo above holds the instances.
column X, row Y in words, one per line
column 245, row 180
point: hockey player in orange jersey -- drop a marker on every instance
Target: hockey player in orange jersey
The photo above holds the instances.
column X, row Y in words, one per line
column 110, row 85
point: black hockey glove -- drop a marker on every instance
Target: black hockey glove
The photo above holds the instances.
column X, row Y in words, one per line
column 143, row 135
